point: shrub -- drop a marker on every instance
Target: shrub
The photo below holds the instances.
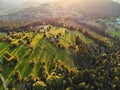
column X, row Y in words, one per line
column 21, row 41
column 32, row 62
column 39, row 85
column 18, row 76
column 14, row 60
column 54, row 81
column 13, row 45
column 7, row 54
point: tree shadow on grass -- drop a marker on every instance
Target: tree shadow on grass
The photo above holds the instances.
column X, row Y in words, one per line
column 27, row 71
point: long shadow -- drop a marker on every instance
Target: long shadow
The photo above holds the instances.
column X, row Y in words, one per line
column 27, row 71
column 7, row 70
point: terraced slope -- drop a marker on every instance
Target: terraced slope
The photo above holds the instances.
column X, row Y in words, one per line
column 39, row 46
column 47, row 57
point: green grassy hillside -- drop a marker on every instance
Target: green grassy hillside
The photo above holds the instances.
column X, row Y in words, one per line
column 42, row 48
column 59, row 57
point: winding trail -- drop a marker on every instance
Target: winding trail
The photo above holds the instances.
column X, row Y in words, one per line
column 3, row 80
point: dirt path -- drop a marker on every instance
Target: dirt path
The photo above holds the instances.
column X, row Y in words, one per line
column 3, row 80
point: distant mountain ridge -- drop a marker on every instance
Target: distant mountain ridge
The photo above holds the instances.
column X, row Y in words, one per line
column 116, row 1
column 76, row 9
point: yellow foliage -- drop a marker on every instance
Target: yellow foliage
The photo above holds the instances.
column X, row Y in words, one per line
column 116, row 78
column 82, row 84
column 113, row 85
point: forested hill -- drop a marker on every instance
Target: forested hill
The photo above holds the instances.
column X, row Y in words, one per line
column 58, row 56
column 85, row 9
column 72, row 45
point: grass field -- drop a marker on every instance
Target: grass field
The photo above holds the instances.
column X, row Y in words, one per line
column 110, row 27
column 114, row 33
column 43, row 50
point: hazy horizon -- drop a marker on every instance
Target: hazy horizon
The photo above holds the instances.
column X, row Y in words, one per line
column 22, row 1
column 39, row 1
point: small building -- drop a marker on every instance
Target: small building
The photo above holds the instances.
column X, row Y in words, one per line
column 118, row 20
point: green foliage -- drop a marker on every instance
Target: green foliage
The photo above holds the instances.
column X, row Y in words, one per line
column 54, row 81
column 39, row 85
column 17, row 76
column 32, row 62
column 61, row 60
column 11, row 61
column 7, row 55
